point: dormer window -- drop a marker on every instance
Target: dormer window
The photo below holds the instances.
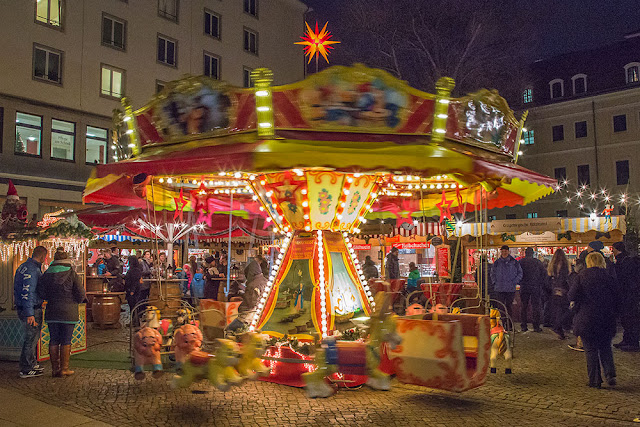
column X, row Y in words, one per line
column 527, row 95
column 579, row 83
column 632, row 72
column 556, row 88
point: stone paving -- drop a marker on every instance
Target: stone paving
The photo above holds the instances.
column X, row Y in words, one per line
column 547, row 388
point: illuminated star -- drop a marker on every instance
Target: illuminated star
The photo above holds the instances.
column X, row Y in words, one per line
column 445, row 207
column 180, row 205
column 317, row 43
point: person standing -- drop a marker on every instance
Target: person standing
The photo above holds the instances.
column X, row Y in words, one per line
column 506, row 274
column 211, row 284
column 392, row 267
column 627, row 272
column 559, row 275
column 147, row 265
column 114, row 271
column 62, row 288
column 595, row 299
column 29, row 306
column 255, row 284
column 369, row 268
column 264, row 265
column 533, row 278
column 133, row 287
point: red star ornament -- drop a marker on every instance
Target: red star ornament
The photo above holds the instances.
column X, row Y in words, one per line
column 445, row 207
column 180, row 205
column 201, row 197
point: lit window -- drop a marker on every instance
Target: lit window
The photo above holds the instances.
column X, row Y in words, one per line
column 557, row 88
column 63, row 139
column 579, row 84
column 250, row 41
column 49, row 12
column 620, row 123
column 211, row 66
column 491, row 218
column 527, row 96
column 166, row 51
column 112, row 82
column 28, row 134
column 246, row 77
column 632, row 72
column 47, row 64
column 212, row 24
column 113, row 32
column 562, row 213
column 528, row 137
column 251, row 7
column 168, row 9
column 96, row 145
column 532, row 214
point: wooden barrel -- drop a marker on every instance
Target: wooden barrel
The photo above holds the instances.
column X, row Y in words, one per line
column 105, row 310
column 172, row 297
column 95, row 284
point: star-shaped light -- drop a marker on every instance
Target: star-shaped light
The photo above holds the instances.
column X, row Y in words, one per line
column 180, row 205
column 317, row 43
column 445, row 207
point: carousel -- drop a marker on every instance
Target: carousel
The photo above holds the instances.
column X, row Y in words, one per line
column 314, row 160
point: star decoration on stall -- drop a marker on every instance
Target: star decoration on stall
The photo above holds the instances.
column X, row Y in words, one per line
column 317, row 42
column 180, row 205
column 286, row 191
column 444, row 206
column 201, row 196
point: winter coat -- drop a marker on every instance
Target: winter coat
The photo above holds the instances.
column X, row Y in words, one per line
column 252, row 270
column 596, row 299
column 132, row 280
column 146, row 269
column 62, row 288
column 392, row 267
column 115, row 268
column 533, row 275
column 506, row 274
column 412, row 280
column 560, row 283
column 197, row 285
column 627, row 270
column 25, row 285
column 264, row 266
column 370, row 270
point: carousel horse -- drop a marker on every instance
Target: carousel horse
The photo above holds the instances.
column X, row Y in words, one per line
column 250, row 366
column 356, row 358
column 500, row 343
column 146, row 351
column 151, row 317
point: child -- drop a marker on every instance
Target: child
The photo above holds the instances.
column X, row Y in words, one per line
column 413, row 279
column 197, row 285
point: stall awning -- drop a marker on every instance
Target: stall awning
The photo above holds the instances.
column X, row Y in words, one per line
column 558, row 225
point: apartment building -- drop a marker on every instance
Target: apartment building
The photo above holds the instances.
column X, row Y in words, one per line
column 68, row 63
column 583, row 127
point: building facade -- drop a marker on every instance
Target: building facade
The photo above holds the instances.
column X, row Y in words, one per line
column 73, row 61
column 583, row 129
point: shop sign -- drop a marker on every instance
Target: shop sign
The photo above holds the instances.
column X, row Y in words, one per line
column 547, row 236
column 361, row 247
column 514, row 226
column 417, row 245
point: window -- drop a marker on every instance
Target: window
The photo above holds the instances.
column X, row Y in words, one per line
column 211, row 66
column 532, row 214
column 557, row 88
column 63, row 138
column 160, row 85
column 528, row 137
column 246, row 77
column 96, row 145
column 168, row 9
column 212, row 24
column 527, row 95
column 47, row 64
column 584, row 178
column 49, row 12
column 491, row 218
column 562, row 213
column 558, row 132
column 622, row 172
column 632, row 72
column 113, row 32
column 250, row 41
column 510, row 216
column 581, row 129
column 166, row 51
column 620, row 123
column 28, row 134
column 579, row 83
column 251, row 7
column 560, row 174
column 112, row 82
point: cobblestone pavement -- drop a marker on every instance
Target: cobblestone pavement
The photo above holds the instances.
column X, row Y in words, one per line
column 546, row 388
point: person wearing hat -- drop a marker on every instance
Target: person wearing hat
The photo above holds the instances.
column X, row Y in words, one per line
column 506, row 274
column 627, row 272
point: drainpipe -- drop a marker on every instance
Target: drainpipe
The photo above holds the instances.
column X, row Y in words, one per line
column 595, row 142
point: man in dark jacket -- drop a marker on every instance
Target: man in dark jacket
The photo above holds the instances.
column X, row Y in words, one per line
column 29, row 306
column 627, row 272
column 506, row 274
column 369, row 269
column 393, row 265
column 533, row 278
column 114, row 271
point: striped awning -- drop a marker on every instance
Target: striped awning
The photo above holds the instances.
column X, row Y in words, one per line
column 409, row 229
column 575, row 225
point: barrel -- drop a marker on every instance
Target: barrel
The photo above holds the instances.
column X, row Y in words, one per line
column 105, row 310
column 95, row 284
column 172, row 297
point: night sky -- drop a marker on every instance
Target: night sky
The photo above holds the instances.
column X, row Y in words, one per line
column 562, row 25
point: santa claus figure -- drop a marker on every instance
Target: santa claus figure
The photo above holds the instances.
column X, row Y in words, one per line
column 14, row 212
